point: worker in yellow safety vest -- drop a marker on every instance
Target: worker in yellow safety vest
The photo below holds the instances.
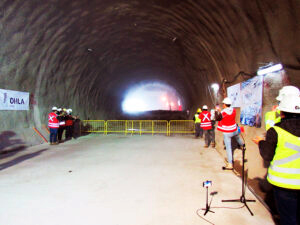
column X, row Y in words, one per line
column 282, row 148
column 273, row 117
column 197, row 120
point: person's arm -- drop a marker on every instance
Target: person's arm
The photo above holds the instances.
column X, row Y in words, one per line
column 218, row 116
column 267, row 147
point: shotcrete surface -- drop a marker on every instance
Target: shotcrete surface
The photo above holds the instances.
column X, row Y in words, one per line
column 121, row 180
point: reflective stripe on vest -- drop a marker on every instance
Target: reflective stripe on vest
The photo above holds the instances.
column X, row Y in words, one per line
column 271, row 118
column 197, row 119
column 284, row 170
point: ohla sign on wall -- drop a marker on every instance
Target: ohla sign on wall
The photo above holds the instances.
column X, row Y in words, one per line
column 14, row 100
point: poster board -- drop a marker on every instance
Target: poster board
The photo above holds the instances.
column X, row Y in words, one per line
column 14, row 100
column 234, row 93
column 251, row 101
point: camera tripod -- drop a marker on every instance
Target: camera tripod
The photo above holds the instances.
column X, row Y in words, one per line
column 207, row 209
column 244, row 183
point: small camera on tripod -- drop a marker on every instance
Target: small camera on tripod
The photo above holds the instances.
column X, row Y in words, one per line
column 207, row 183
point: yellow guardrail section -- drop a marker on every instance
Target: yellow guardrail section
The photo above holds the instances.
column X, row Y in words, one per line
column 181, row 127
column 139, row 126
column 93, row 126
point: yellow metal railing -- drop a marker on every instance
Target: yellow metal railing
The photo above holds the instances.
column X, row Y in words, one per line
column 139, row 126
column 181, row 127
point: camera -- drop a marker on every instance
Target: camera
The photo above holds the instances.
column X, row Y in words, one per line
column 207, row 183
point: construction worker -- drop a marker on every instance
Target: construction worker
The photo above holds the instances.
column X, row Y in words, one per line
column 197, row 120
column 206, row 125
column 228, row 126
column 281, row 147
column 53, row 125
column 69, row 124
column 273, row 117
column 62, row 123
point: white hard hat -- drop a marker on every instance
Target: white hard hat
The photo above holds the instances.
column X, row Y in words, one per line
column 290, row 104
column 205, row 107
column 54, row 108
column 59, row 109
column 70, row 110
column 227, row 101
column 288, row 91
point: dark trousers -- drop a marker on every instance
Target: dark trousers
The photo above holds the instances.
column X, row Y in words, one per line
column 288, row 205
column 53, row 135
column 69, row 132
column 198, row 130
column 60, row 133
column 209, row 136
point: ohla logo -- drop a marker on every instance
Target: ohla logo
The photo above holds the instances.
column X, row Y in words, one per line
column 16, row 101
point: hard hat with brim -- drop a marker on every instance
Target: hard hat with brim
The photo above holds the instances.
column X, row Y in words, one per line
column 204, row 107
column 288, row 91
column 290, row 104
column 227, row 101
column 54, row 108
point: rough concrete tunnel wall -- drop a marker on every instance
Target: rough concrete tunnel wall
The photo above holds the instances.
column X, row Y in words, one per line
column 86, row 54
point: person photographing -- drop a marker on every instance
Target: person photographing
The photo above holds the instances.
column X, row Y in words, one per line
column 228, row 127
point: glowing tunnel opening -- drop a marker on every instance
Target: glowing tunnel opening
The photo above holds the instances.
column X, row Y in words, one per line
column 150, row 97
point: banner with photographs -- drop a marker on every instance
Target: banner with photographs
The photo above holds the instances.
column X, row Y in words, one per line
column 233, row 92
column 14, row 100
column 251, row 101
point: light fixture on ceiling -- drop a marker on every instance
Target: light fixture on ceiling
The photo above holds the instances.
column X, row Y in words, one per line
column 270, row 69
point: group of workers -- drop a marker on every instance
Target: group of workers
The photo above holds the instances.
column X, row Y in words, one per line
column 280, row 146
column 60, row 120
column 205, row 125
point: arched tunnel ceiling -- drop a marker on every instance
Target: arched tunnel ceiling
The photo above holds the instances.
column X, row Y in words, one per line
column 85, row 54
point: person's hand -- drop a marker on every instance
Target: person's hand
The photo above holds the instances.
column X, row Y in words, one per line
column 257, row 139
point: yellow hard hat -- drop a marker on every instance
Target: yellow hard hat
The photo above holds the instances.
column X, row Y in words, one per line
column 199, row 110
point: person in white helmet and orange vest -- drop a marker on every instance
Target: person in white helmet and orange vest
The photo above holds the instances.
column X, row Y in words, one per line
column 206, row 125
column 228, row 126
column 53, row 124
column 281, row 148
column 272, row 117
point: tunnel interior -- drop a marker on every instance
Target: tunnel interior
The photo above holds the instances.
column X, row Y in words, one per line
column 85, row 55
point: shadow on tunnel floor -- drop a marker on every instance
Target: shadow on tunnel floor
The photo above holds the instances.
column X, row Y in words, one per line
column 20, row 159
column 9, row 145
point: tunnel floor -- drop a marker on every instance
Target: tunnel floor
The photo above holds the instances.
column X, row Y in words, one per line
column 121, row 180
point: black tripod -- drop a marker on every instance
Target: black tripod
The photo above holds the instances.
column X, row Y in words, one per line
column 207, row 206
column 244, row 183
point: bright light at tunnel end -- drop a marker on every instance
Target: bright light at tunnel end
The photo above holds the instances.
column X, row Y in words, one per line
column 150, row 97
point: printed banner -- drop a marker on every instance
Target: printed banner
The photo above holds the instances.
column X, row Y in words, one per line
column 251, row 101
column 233, row 92
column 14, row 100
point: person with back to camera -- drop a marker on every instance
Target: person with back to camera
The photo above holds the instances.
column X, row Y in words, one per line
column 53, row 124
column 228, row 126
column 197, row 120
column 281, row 148
column 205, row 117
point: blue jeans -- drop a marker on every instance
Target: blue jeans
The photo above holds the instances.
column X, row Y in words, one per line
column 288, row 205
column 53, row 135
column 227, row 141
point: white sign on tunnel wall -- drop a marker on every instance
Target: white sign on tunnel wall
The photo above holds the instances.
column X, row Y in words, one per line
column 14, row 100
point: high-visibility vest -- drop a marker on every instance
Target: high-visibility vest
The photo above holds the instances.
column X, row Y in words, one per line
column 227, row 124
column 205, row 120
column 284, row 170
column 52, row 120
column 197, row 119
column 271, row 118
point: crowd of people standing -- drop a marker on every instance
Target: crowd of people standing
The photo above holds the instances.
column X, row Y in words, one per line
column 60, row 120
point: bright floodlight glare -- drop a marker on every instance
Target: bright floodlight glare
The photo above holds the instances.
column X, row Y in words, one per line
column 270, row 69
column 215, row 87
column 151, row 96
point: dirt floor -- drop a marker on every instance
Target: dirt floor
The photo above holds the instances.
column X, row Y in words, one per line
column 122, row 180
